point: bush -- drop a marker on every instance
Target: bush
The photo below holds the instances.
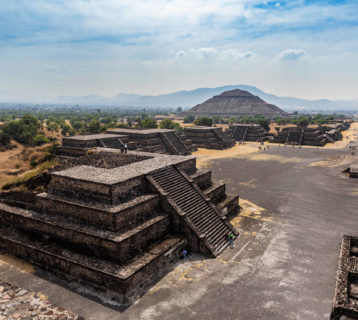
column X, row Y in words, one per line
column 189, row 118
column 148, row 123
column 265, row 123
column 53, row 126
column 302, row 122
column 4, row 139
column 23, row 130
column 169, row 124
column 204, row 121
column 94, row 126
column 39, row 140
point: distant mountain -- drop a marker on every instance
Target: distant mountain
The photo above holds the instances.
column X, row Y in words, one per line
column 236, row 103
column 190, row 98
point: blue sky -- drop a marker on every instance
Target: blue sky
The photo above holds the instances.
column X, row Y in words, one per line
column 76, row 47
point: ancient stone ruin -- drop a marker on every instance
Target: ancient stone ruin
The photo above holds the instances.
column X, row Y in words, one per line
column 209, row 137
column 247, row 132
column 117, row 221
column 147, row 140
column 310, row 136
column 236, row 103
column 154, row 140
column 352, row 170
column 77, row 146
column 345, row 302
column 300, row 136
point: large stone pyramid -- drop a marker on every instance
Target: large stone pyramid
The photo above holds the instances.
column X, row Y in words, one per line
column 235, row 103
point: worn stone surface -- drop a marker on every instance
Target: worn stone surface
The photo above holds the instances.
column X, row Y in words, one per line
column 17, row 303
column 209, row 137
column 236, row 103
column 109, row 224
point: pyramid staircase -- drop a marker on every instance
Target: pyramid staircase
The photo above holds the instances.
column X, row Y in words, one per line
column 174, row 144
column 200, row 214
column 113, row 143
column 301, row 138
column 288, row 137
column 244, row 136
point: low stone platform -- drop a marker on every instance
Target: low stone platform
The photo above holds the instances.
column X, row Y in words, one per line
column 345, row 302
column 300, row 136
column 209, row 137
column 118, row 220
column 154, row 140
column 311, row 136
column 77, row 146
column 247, row 132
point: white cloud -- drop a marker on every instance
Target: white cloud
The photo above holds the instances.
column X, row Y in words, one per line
column 291, row 54
column 224, row 55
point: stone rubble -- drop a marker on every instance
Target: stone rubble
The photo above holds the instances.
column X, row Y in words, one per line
column 17, row 303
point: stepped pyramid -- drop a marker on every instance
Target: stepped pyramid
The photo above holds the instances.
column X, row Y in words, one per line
column 118, row 220
column 236, row 103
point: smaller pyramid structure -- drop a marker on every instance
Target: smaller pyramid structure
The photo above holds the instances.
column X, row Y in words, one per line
column 236, row 103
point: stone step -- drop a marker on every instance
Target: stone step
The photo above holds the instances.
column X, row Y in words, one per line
column 111, row 217
column 200, row 212
column 202, row 178
column 229, row 204
column 114, row 246
column 149, row 142
column 153, row 148
column 216, row 192
column 121, row 278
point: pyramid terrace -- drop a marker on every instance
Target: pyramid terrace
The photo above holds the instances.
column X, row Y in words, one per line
column 120, row 220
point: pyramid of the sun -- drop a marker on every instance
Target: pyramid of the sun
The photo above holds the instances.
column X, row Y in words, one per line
column 236, row 103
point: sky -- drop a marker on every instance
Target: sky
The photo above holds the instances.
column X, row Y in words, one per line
column 300, row 48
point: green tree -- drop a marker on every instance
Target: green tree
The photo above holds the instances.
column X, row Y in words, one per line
column 39, row 140
column 65, row 129
column 189, row 118
column 169, row 124
column 302, row 122
column 77, row 125
column 4, row 138
column 204, row 121
column 53, row 126
column 23, row 130
column 148, row 123
column 94, row 126
column 265, row 123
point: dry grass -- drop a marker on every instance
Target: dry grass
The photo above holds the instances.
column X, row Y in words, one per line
column 17, row 162
column 17, row 182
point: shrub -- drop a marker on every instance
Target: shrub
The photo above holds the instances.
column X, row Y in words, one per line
column 169, row 124
column 189, row 118
column 204, row 121
column 23, row 130
column 148, row 123
column 39, row 140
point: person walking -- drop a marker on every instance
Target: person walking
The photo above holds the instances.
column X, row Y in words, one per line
column 185, row 254
column 230, row 237
column 125, row 148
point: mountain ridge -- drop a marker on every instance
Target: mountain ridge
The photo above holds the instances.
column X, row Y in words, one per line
column 190, row 98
